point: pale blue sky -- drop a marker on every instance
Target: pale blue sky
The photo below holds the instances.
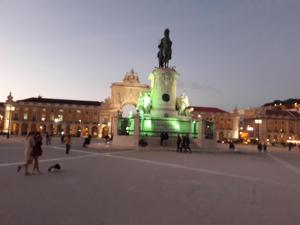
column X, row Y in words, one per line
column 229, row 52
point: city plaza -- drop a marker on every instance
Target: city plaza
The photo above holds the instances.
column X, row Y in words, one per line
column 103, row 185
column 130, row 184
column 120, row 181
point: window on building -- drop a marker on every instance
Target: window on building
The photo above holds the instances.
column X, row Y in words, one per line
column 95, row 117
column 25, row 116
column 222, row 124
column 16, row 116
column 34, row 116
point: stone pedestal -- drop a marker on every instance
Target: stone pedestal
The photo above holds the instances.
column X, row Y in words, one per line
column 163, row 92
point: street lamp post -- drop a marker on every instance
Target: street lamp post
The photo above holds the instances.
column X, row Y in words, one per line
column 258, row 121
column 10, row 109
column 56, row 124
column 81, row 127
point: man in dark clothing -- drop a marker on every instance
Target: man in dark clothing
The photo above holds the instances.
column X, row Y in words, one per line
column 89, row 139
column 62, row 138
column 166, row 137
column 259, row 147
column 187, row 143
column 290, row 146
column 161, row 138
column 265, row 147
column 179, row 139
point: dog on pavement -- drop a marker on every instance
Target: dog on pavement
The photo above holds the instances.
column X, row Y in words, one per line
column 54, row 168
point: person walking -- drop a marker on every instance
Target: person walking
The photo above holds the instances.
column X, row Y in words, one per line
column 265, row 147
column 68, row 144
column 48, row 139
column 161, row 138
column 183, row 145
column 259, row 146
column 179, row 147
column 28, row 148
column 37, row 152
column 231, row 145
column 62, row 138
column 166, row 137
column 187, row 143
column 87, row 140
column 290, row 145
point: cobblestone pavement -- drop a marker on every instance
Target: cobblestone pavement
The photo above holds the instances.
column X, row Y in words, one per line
column 122, row 186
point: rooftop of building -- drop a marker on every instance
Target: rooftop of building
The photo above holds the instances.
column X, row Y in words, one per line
column 208, row 109
column 60, row 101
column 281, row 113
column 288, row 102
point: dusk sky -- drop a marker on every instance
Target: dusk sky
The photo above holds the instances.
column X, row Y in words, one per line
column 229, row 53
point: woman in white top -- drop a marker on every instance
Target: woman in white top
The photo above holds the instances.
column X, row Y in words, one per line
column 28, row 147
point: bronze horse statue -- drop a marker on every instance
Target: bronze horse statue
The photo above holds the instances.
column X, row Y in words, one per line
column 165, row 50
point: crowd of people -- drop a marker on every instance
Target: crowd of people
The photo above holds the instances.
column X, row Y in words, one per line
column 183, row 143
column 262, row 147
column 164, row 138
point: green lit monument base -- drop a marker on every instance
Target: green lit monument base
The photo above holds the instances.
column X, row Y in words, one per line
column 150, row 126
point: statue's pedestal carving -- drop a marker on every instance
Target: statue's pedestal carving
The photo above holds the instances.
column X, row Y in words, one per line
column 163, row 92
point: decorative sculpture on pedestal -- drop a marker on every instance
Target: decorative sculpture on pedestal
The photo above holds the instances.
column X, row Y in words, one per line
column 182, row 104
column 165, row 50
column 144, row 103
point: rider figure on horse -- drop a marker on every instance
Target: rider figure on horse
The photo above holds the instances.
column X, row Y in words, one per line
column 165, row 50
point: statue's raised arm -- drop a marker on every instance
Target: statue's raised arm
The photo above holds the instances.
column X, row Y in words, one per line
column 165, row 50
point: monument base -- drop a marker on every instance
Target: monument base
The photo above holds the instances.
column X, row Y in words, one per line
column 164, row 113
column 153, row 126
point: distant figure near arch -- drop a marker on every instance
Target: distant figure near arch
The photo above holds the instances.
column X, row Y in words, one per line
column 165, row 50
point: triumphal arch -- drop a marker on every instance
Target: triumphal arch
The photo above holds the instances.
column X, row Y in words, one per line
column 124, row 97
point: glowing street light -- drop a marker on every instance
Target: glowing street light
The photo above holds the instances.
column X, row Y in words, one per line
column 10, row 109
column 258, row 121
